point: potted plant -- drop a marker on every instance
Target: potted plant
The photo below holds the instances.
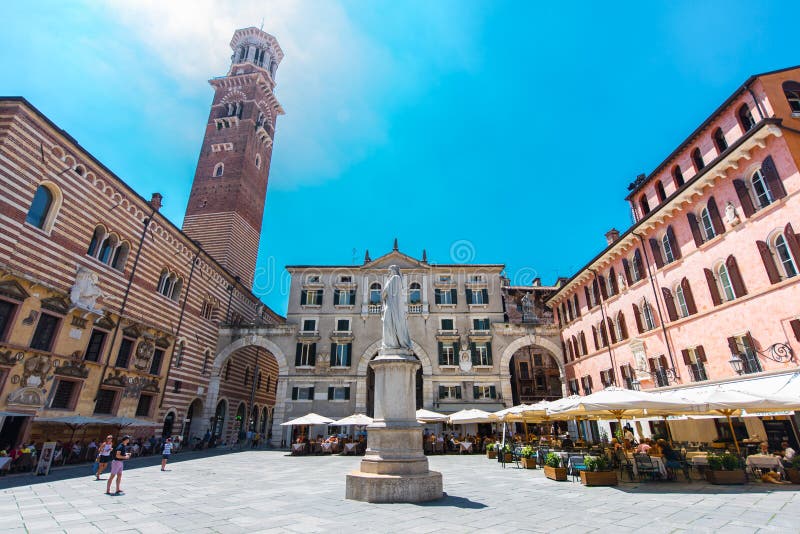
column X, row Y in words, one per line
column 508, row 455
column 793, row 473
column 598, row 472
column 490, row 452
column 528, row 459
column 725, row 469
column 552, row 467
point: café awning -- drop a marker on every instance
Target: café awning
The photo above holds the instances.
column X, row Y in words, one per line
column 309, row 419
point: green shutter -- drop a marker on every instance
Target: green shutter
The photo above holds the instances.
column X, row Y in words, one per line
column 485, row 293
column 441, row 352
column 330, row 392
column 352, row 297
column 294, row 393
column 441, row 391
column 469, row 296
column 303, row 297
column 333, row 354
column 454, row 296
column 336, row 296
column 349, row 354
column 489, row 352
column 458, row 392
column 474, row 353
column 493, row 392
column 312, row 357
column 298, row 354
column 437, row 296
column 347, row 393
column 474, row 392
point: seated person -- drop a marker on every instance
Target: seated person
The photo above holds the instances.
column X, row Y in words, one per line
column 644, row 447
column 763, row 448
column 566, row 443
column 788, row 454
column 671, row 457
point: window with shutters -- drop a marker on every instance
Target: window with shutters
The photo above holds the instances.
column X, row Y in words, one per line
column 637, row 267
column 94, row 348
column 669, row 257
column 677, row 176
column 746, row 118
column 344, row 297
column 697, row 159
column 783, row 256
column 761, row 193
column 607, row 378
column 627, row 374
column 484, row 392
column 573, row 386
column 143, row 407
column 340, row 354
column 7, row 311
column 644, row 205
column 447, row 325
column 602, row 336
column 338, row 393
column 448, row 353
column 477, row 297
column 309, row 325
column 743, row 345
column 658, row 368
column 680, row 301
column 45, row 332
column 306, row 355
column 106, row 402
column 619, row 327
column 311, row 297
column 724, row 282
column 695, row 359
column 584, row 348
column 449, row 392
column 586, row 384
column 648, row 322
column 707, row 225
column 610, row 282
column 155, row 362
column 481, row 324
column 791, row 89
column 481, row 354
column 445, row 297
column 660, row 192
column 720, row 141
column 303, row 393
column 64, row 394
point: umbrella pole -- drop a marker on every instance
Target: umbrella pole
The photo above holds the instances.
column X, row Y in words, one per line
column 525, row 424
column 733, row 432
column 669, row 434
column 578, row 424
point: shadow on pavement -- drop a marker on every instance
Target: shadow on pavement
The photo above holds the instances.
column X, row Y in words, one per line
column 455, row 502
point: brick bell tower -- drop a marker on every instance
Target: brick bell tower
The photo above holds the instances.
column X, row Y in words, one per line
column 226, row 204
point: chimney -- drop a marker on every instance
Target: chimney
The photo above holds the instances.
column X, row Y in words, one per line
column 611, row 236
column 155, row 201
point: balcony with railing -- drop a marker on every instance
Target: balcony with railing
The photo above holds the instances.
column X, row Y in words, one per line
column 375, row 309
column 698, row 372
column 415, row 309
column 660, row 377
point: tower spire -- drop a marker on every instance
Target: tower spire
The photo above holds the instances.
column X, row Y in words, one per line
column 395, row 248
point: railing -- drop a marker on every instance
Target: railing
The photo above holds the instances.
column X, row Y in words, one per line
column 415, row 308
column 375, row 309
column 308, row 333
column 531, row 318
column 698, row 372
column 660, row 378
column 451, row 332
column 750, row 363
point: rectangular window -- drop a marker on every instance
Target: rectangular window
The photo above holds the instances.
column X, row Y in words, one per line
column 95, row 346
column 64, row 395
column 524, row 373
column 479, row 296
column 155, row 363
column 124, row 353
column 482, row 354
column 343, row 325
column 447, row 354
column 6, row 314
column 303, row 393
column 573, row 387
column 484, row 392
column 480, row 324
column 310, row 297
column 447, row 324
column 341, row 355
column 747, row 353
column 449, row 392
column 344, row 298
column 338, row 393
column 309, row 325
column 143, row 407
column 306, row 355
column 45, row 332
column 445, row 296
column 106, row 398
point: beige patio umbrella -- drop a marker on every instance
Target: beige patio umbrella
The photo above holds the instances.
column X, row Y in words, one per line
column 309, row 419
column 471, row 415
column 427, row 416
column 357, row 419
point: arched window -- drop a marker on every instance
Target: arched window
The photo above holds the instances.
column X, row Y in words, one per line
column 40, row 207
column 414, row 293
column 720, row 141
column 784, row 255
column 576, row 305
column 163, row 281
column 697, row 159
column 677, row 175
column 584, row 348
column 746, row 118
column 219, row 169
column 120, row 257
column 669, row 255
column 680, row 298
column 644, row 205
column 725, row 282
column 106, row 253
column 792, row 91
column 619, row 326
column 375, row 293
column 708, row 225
column 662, row 195
column 258, row 161
column 761, row 191
column 647, row 316
column 97, row 238
column 242, row 53
column 176, row 288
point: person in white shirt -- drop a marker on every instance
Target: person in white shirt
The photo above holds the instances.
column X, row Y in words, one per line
column 788, row 453
column 165, row 453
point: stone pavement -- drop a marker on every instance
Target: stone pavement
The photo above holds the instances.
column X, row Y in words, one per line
column 268, row 491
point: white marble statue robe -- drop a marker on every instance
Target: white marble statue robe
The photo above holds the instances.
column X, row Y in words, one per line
column 395, row 324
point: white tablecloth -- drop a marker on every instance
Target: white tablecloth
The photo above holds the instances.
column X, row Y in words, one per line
column 350, row 447
column 465, row 446
column 759, row 461
column 4, row 460
column 298, row 447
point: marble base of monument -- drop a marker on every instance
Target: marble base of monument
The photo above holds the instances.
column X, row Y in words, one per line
column 394, row 467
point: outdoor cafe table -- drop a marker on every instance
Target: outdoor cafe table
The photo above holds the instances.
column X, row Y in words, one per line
column 327, row 447
column 350, row 447
column 465, row 446
column 658, row 461
column 298, row 447
column 764, row 461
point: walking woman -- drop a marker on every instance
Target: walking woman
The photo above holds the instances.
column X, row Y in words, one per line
column 120, row 455
column 165, row 453
column 104, row 455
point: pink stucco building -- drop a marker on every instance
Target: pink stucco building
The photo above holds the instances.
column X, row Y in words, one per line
column 703, row 287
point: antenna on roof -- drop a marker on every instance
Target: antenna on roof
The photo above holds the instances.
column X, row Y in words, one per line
column 262, row 24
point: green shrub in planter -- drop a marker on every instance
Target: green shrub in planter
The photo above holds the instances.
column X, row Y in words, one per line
column 724, row 462
column 552, row 460
column 527, row 452
column 490, row 446
column 600, row 463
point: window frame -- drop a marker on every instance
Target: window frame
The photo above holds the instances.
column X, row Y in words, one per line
column 74, row 394
column 48, row 347
column 100, row 350
column 114, row 404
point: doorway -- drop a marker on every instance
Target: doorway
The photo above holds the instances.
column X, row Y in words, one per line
column 12, row 430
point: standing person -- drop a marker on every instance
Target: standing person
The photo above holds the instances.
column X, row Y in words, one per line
column 104, row 456
column 165, row 453
column 120, row 455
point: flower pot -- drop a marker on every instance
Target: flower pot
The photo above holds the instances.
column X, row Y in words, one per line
column 509, row 457
column 555, row 473
column 528, row 463
column 599, row 478
column 725, row 477
column 491, row 454
column 793, row 474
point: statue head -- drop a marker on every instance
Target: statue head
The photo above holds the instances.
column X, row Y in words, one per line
column 394, row 269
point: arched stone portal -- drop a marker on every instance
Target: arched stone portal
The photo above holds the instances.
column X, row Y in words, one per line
column 363, row 366
column 249, row 340
column 541, row 342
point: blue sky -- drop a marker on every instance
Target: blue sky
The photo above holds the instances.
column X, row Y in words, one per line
column 513, row 126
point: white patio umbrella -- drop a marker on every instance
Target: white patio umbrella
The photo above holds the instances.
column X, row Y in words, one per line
column 309, row 419
column 471, row 415
column 613, row 403
column 427, row 416
column 357, row 419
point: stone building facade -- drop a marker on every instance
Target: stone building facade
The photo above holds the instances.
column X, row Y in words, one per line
column 703, row 287
column 106, row 307
column 463, row 331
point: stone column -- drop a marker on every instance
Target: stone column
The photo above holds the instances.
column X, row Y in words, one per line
column 278, row 413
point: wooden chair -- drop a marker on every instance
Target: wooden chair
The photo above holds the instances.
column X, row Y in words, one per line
column 645, row 466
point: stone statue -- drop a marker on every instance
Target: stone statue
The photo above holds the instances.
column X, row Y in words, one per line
column 86, row 291
column 395, row 323
column 730, row 214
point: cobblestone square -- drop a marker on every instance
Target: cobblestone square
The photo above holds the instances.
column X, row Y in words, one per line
column 268, row 491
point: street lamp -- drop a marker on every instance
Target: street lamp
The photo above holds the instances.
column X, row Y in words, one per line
column 736, row 363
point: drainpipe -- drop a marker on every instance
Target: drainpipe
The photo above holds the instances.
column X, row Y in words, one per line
column 605, row 327
column 155, row 204
column 180, row 322
column 658, row 306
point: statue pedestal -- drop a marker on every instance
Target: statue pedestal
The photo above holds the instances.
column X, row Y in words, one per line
column 394, row 468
